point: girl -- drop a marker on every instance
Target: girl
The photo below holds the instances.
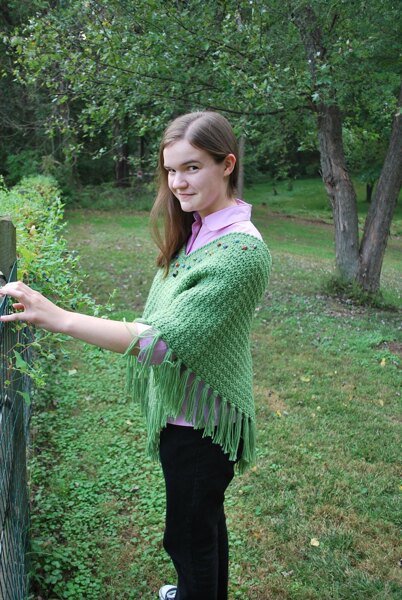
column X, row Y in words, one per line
column 189, row 357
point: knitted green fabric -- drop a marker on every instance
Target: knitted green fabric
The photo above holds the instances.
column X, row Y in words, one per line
column 203, row 310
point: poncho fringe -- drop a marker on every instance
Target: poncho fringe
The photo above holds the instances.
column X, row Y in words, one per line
column 149, row 383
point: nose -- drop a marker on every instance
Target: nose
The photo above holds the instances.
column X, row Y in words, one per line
column 179, row 181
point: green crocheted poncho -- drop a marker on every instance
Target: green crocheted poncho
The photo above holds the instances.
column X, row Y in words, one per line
column 203, row 311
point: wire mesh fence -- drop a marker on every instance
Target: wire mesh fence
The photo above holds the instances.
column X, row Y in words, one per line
column 14, row 431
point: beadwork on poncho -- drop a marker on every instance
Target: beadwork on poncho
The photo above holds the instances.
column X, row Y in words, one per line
column 203, row 310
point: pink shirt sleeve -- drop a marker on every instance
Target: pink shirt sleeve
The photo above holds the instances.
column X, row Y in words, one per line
column 158, row 353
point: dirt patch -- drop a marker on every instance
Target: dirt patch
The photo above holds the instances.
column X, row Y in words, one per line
column 268, row 398
column 299, row 219
column 394, row 347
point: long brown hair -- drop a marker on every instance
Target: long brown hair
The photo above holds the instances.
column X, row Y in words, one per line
column 206, row 130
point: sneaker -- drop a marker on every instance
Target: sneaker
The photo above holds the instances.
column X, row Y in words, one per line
column 167, row 592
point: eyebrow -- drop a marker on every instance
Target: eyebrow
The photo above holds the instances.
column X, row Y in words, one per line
column 187, row 162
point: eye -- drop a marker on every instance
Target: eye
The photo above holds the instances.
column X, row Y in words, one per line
column 193, row 168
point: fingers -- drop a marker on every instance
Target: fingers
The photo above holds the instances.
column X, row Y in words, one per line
column 13, row 317
column 32, row 307
column 17, row 290
column 14, row 285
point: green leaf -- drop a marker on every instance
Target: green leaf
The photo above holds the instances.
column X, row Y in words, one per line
column 20, row 363
column 26, row 397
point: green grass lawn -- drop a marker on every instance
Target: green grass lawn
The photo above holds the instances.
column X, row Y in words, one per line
column 303, row 197
column 308, row 198
column 316, row 518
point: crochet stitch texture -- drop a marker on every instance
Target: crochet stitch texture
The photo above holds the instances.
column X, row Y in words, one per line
column 203, row 310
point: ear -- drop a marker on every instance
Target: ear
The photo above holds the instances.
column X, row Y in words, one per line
column 229, row 163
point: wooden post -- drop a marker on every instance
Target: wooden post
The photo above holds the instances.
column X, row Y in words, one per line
column 8, row 251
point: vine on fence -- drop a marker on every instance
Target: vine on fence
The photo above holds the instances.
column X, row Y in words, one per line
column 44, row 261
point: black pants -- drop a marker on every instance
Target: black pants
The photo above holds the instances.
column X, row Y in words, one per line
column 197, row 473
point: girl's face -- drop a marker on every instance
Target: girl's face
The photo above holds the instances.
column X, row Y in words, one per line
column 198, row 182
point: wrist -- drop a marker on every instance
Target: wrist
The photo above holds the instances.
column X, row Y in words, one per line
column 66, row 322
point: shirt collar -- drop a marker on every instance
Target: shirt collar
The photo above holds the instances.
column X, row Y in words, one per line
column 241, row 211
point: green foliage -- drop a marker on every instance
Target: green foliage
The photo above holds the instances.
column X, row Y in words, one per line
column 44, row 261
column 80, row 513
column 102, row 74
column 24, row 164
column 365, row 152
column 36, row 210
column 126, row 70
column 109, row 197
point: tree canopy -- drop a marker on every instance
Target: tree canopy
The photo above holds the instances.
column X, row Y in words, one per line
column 105, row 76
column 138, row 63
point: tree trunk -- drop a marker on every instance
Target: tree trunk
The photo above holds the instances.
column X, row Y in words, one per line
column 340, row 190
column 240, row 179
column 382, row 207
column 141, row 151
column 369, row 192
column 122, row 166
column 333, row 166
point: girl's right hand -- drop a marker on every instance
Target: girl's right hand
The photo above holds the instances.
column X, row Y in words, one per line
column 33, row 308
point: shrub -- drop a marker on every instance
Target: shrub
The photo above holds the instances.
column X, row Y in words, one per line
column 24, row 164
column 44, row 261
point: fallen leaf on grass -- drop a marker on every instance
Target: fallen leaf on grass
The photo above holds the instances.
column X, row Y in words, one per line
column 314, row 542
column 305, row 379
column 72, row 371
column 383, row 362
